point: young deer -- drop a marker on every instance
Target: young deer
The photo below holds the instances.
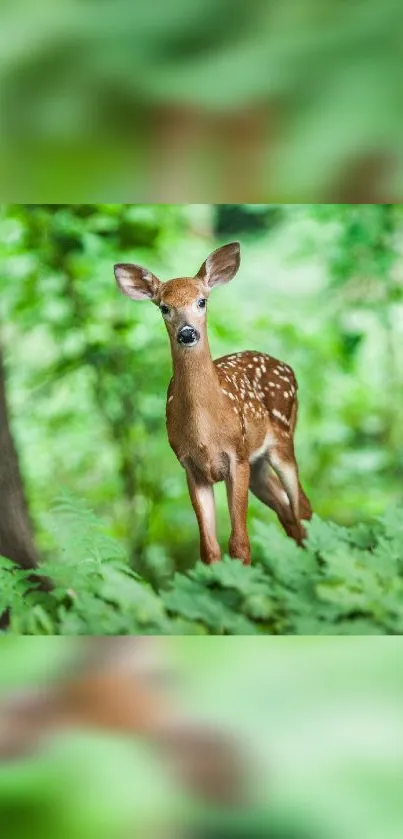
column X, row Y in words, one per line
column 232, row 419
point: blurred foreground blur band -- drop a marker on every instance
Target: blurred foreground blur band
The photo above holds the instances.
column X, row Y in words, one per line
column 207, row 739
column 210, row 100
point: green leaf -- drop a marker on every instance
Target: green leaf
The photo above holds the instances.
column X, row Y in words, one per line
column 230, row 573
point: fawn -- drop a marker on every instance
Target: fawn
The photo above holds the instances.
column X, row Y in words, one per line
column 232, row 419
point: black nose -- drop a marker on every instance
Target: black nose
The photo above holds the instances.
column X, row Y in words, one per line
column 188, row 335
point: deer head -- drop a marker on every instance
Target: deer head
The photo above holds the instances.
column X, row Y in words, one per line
column 182, row 302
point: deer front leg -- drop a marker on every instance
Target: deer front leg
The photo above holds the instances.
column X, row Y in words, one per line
column 202, row 498
column 237, row 492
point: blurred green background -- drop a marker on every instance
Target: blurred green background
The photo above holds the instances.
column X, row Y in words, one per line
column 320, row 286
column 213, row 99
column 319, row 722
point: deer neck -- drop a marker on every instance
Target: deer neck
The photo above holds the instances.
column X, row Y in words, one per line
column 195, row 383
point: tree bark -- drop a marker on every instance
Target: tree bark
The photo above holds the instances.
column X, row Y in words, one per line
column 16, row 539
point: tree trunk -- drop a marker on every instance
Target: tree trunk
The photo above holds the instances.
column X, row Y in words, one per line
column 16, row 540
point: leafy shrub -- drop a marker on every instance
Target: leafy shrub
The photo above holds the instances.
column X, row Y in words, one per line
column 346, row 581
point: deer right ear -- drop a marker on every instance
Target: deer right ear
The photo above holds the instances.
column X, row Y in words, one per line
column 136, row 282
column 221, row 266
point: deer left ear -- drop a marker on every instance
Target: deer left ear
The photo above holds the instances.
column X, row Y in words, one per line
column 137, row 282
column 221, row 266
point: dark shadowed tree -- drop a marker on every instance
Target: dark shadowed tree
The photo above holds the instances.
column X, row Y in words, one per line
column 16, row 540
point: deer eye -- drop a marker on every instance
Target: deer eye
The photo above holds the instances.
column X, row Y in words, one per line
column 164, row 309
column 201, row 304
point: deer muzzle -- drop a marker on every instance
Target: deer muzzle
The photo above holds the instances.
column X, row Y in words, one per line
column 188, row 336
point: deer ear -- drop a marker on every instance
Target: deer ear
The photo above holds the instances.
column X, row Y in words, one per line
column 221, row 266
column 137, row 282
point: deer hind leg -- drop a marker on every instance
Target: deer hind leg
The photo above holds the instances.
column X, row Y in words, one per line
column 283, row 462
column 282, row 459
column 305, row 508
column 267, row 487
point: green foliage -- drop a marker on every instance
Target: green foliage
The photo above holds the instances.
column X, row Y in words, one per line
column 329, row 76
column 346, row 581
